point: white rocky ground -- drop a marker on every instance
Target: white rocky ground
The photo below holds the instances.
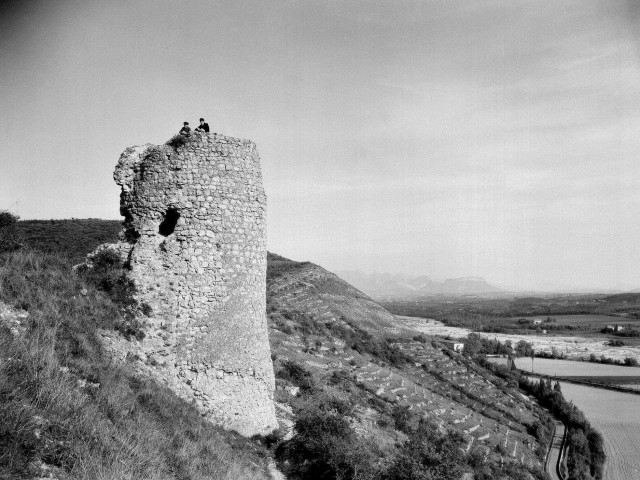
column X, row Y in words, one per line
column 572, row 347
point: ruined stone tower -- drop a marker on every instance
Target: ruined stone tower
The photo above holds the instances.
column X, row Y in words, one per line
column 195, row 242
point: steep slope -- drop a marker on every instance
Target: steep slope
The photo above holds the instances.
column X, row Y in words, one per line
column 321, row 294
column 332, row 330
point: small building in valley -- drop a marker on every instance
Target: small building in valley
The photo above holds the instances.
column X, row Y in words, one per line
column 453, row 345
column 614, row 328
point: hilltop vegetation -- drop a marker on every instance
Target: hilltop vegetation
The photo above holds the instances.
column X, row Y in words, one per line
column 9, row 239
column 72, row 238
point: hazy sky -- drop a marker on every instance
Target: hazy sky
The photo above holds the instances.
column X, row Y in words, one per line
column 490, row 138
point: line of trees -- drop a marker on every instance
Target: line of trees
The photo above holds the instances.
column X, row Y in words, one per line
column 474, row 344
column 586, row 455
column 586, row 448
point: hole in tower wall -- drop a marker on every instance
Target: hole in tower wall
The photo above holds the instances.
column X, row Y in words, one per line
column 169, row 222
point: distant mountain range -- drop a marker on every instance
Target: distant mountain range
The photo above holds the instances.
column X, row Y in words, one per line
column 400, row 285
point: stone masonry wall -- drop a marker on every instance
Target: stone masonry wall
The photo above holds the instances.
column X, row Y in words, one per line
column 195, row 243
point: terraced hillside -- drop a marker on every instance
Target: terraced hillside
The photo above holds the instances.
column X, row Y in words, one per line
column 324, row 295
column 348, row 371
column 333, row 330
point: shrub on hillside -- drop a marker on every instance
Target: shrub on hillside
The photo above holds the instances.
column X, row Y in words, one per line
column 106, row 274
column 9, row 237
column 297, row 375
column 363, row 342
column 325, row 447
column 339, row 377
column 429, row 454
column 404, row 419
column 7, row 218
column 177, row 141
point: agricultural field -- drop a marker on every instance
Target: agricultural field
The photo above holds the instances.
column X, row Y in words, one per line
column 568, row 368
column 613, row 375
column 573, row 347
column 584, row 320
column 616, row 416
column 553, row 315
column 586, row 325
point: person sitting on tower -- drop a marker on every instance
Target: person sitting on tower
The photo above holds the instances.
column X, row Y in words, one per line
column 185, row 130
column 203, row 127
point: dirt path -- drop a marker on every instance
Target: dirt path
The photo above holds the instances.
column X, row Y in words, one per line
column 554, row 453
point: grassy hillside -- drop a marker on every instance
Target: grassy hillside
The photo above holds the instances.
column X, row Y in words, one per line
column 318, row 292
column 358, row 396
column 74, row 238
column 66, row 410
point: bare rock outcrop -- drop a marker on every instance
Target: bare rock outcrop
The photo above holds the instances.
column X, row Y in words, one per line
column 195, row 244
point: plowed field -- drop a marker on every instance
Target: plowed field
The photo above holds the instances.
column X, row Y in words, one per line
column 617, row 417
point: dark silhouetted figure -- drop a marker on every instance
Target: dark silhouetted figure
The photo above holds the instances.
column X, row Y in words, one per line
column 185, row 130
column 203, row 127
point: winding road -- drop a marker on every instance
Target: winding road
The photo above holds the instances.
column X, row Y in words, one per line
column 553, row 456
